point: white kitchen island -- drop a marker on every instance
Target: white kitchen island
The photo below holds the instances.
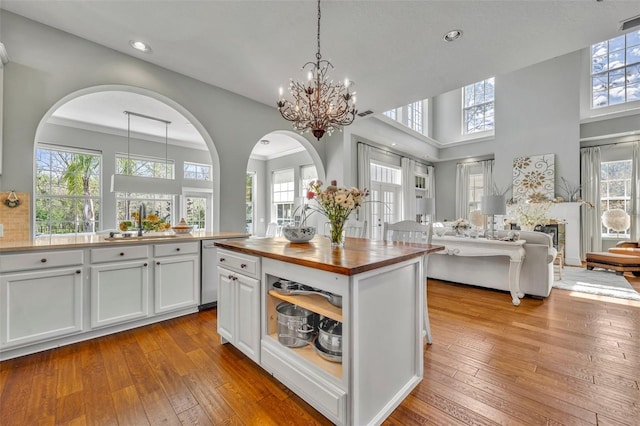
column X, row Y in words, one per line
column 383, row 297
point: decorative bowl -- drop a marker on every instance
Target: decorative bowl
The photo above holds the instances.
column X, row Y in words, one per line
column 298, row 234
column 182, row 227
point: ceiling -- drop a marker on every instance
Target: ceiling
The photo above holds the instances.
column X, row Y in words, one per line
column 393, row 50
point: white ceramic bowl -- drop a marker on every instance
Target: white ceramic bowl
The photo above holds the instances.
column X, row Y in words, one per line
column 298, row 234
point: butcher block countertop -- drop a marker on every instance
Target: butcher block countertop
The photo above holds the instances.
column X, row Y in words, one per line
column 95, row 240
column 358, row 254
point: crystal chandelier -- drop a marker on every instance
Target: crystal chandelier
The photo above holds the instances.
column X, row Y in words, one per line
column 319, row 105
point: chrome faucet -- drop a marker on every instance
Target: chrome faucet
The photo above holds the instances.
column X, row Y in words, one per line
column 142, row 213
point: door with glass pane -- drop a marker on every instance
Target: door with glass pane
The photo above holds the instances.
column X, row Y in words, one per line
column 385, row 207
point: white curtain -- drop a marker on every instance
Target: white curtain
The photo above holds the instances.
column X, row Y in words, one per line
column 462, row 190
column 408, row 188
column 590, row 225
column 364, row 181
column 431, row 188
column 487, row 176
column 635, row 193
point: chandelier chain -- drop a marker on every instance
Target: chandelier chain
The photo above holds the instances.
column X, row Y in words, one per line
column 318, row 55
column 319, row 105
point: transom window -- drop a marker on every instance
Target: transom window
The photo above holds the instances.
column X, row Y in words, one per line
column 392, row 114
column 615, row 70
column 283, row 196
column 479, row 109
column 197, row 171
column 414, row 116
column 615, row 189
column 144, row 166
column 67, row 197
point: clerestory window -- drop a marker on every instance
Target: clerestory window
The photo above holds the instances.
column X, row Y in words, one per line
column 478, row 106
column 615, row 70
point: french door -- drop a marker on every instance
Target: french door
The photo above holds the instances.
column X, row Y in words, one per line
column 385, row 206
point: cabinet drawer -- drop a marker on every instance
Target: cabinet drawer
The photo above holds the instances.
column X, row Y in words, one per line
column 40, row 260
column 325, row 397
column 238, row 262
column 114, row 254
column 176, row 248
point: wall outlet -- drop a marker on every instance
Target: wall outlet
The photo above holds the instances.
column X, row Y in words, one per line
column 1, row 230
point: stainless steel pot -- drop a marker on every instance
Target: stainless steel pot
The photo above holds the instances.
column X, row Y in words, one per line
column 296, row 325
column 330, row 335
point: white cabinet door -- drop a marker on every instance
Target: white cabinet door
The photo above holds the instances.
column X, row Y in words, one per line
column 37, row 306
column 119, row 292
column 176, row 283
column 248, row 316
column 226, row 305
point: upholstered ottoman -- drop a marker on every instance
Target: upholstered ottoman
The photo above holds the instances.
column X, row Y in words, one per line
column 618, row 262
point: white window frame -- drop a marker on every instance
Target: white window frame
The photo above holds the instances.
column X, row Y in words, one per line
column 486, row 107
column 605, row 200
column 415, row 116
column 284, row 203
column 199, row 174
column 98, row 223
column 601, row 57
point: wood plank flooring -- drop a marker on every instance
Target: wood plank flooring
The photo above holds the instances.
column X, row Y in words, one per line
column 571, row 359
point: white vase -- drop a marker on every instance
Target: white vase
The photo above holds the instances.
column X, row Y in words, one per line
column 527, row 227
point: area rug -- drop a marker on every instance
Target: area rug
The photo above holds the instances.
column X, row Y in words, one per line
column 605, row 283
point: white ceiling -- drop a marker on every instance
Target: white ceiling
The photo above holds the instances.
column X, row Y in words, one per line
column 393, row 50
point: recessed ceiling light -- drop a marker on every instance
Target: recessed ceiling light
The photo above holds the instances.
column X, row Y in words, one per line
column 393, row 144
column 138, row 45
column 265, row 141
column 453, row 35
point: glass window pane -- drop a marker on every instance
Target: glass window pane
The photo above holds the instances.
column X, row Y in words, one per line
column 633, row 92
column 633, row 38
column 599, row 48
column 598, row 64
column 616, row 95
column 617, row 43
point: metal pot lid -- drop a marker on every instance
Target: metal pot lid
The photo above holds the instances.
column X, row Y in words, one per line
column 331, row 326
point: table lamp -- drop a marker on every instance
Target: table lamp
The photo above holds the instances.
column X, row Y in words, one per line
column 493, row 205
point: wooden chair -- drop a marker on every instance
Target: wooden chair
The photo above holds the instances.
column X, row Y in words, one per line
column 408, row 231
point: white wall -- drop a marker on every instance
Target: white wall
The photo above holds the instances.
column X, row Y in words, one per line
column 47, row 65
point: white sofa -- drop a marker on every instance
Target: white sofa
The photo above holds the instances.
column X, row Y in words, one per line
column 536, row 275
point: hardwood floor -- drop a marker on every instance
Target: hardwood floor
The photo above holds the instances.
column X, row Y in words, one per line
column 571, row 359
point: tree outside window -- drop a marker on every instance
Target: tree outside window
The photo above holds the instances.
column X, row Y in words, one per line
column 67, row 194
column 615, row 70
column 478, row 110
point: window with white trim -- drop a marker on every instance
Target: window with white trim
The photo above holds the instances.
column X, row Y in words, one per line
column 414, row 116
column 385, row 196
column 392, row 114
column 159, row 205
column 197, row 171
column 615, row 70
column 307, row 174
column 283, row 185
column 67, row 196
column 615, row 190
column 144, row 166
column 478, row 106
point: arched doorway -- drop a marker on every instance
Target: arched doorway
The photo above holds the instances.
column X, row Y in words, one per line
column 278, row 171
column 160, row 134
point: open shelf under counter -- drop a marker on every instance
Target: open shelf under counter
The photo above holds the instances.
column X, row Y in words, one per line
column 312, row 302
column 309, row 353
